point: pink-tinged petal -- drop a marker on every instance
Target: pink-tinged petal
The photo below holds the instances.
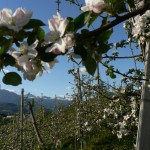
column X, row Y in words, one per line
column 58, row 24
column 51, row 37
column 58, row 47
column 69, row 40
column 16, row 54
column 33, row 46
column 61, row 45
column 23, row 60
column 85, row 8
column 52, row 25
column 32, row 53
column 6, row 16
column 21, row 17
column 62, row 26
column 96, row 6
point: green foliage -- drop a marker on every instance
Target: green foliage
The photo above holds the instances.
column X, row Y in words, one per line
column 33, row 23
column 90, row 64
column 131, row 3
column 12, row 78
column 77, row 23
column 8, row 60
column 86, row 18
column 36, row 34
column 5, row 44
column 4, row 31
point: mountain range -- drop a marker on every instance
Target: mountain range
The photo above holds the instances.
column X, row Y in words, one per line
column 10, row 102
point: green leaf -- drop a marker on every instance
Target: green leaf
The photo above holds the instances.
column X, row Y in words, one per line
column 103, row 48
column 4, row 31
column 80, row 21
column 90, row 65
column 12, row 78
column 77, row 23
column 21, row 35
column 80, row 50
column 8, row 60
column 33, row 23
column 37, row 33
column 104, row 36
column 131, row 3
column 90, row 18
column 70, row 26
column 40, row 33
column 2, row 50
column 112, row 75
column 5, row 44
column 120, row 6
column 46, row 57
column 104, row 21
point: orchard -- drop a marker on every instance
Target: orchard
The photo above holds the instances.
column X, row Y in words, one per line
column 26, row 46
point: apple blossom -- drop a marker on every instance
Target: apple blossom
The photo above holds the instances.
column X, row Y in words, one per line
column 61, row 42
column 25, row 52
column 57, row 26
column 16, row 20
column 97, row 6
column 31, row 70
column 142, row 26
column 21, row 17
column 25, row 60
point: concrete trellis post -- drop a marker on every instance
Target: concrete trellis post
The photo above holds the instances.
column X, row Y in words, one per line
column 143, row 136
column 80, row 113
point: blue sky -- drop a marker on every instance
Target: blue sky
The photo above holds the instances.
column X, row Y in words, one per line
column 56, row 82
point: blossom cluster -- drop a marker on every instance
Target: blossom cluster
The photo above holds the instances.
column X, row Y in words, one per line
column 16, row 20
column 141, row 25
column 121, row 127
column 26, row 56
column 97, row 6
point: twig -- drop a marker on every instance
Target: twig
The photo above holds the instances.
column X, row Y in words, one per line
column 123, row 57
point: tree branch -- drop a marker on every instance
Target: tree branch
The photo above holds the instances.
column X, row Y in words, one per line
column 123, row 57
column 115, row 22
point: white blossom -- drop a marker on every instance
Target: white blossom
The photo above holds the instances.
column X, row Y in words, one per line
column 25, row 60
column 142, row 26
column 60, row 42
column 97, row 6
column 16, row 20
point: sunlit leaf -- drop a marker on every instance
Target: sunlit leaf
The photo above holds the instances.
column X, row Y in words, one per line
column 112, row 75
column 36, row 34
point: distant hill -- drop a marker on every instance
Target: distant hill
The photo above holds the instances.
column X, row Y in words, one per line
column 9, row 97
column 10, row 101
column 8, row 108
